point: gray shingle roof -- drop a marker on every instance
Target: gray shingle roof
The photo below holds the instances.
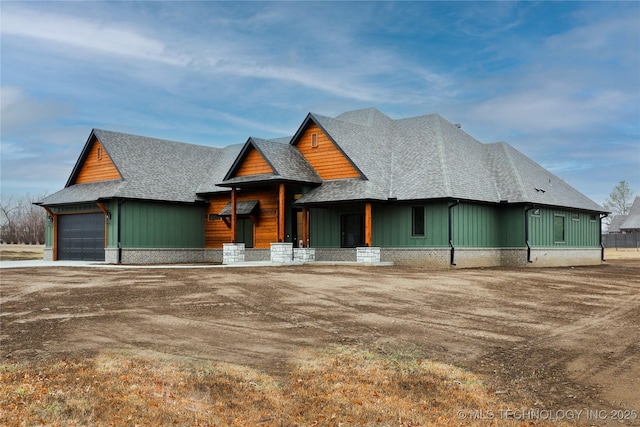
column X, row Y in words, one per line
column 151, row 169
column 82, row 193
column 288, row 164
column 427, row 157
column 245, row 207
column 632, row 222
column 423, row 157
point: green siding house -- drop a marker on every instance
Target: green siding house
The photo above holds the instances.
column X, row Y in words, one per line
column 419, row 191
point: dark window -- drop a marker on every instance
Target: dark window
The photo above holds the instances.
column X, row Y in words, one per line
column 417, row 221
column 575, row 216
column 536, row 212
column 594, row 218
column 214, row 217
column 558, row 229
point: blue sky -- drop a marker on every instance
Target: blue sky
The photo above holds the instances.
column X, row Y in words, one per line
column 560, row 81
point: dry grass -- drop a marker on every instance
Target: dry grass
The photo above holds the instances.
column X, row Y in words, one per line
column 341, row 386
column 622, row 253
column 20, row 252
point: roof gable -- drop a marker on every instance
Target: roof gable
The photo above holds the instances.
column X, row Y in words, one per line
column 323, row 152
column 250, row 161
column 276, row 161
column 94, row 164
column 150, row 169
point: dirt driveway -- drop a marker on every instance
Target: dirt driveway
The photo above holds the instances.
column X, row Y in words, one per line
column 553, row 338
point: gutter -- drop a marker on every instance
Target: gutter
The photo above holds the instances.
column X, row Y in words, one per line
column 526, row 232
column 602, row 216
column 451, row 246
column 120, row 203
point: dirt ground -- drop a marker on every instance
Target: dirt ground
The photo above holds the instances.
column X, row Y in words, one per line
column 557, row 339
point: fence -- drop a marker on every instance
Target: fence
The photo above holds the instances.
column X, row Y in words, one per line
column 614, row 240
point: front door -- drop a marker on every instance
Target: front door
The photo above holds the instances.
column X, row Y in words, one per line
column 351, row 230
column 296, row 226
column 244, row 232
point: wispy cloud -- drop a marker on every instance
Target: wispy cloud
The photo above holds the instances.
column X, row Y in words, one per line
column 85, row 33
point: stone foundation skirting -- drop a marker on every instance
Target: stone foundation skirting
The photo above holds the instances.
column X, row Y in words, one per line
column 304, row 254
column 419, row 257
column 336, row 254
column 154, row 256
column 560, row 257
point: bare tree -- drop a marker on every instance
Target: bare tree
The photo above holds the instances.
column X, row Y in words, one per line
column 22, row 221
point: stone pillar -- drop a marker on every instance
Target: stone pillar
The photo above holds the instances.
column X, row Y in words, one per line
column 282, row 253
column 232, row 253
column 368, row 255
column 304, row 254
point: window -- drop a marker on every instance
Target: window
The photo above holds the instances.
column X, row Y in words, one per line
column 214, row 217
column 558, row 229
column 575, row 216
column 314, row 140
column 417, row 221
column 535, row 212
column 594, row 217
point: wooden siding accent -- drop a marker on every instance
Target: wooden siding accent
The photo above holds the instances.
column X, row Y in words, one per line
column 266, row 226
column 234, row 215
column 367, row 224
column 305, row 226
column 281, row 212
column 328, row 161
column 106, row 223
column 253, row 164
column 97, row 166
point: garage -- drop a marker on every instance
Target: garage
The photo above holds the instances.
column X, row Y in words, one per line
column 81, row 237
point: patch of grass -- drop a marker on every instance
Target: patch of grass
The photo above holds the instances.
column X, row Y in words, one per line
column 339, row 386
column 21, row 252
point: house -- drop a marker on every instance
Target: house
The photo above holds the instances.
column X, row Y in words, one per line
column 413, row 191
column 629, row 223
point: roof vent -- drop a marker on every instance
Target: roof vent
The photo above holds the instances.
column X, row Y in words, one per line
column 458, row 125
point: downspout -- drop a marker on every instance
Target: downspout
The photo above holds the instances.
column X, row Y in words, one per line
column 602, row 216
column 526, row 233
column 120, row 203
column 451, row 246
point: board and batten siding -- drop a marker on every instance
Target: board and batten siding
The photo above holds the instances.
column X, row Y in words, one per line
column 391, row 225
column 328, row 161
column 474, row 225
column 581, row 229
column 160, row 225
column 97, row 166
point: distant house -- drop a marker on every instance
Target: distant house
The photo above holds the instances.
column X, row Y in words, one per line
column 420, row 189
column 629, row 223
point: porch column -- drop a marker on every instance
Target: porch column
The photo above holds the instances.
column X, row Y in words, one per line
column 233, row 215
column 281, row 197
column 107, row 215
column 305, row 226
column 367, row 224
